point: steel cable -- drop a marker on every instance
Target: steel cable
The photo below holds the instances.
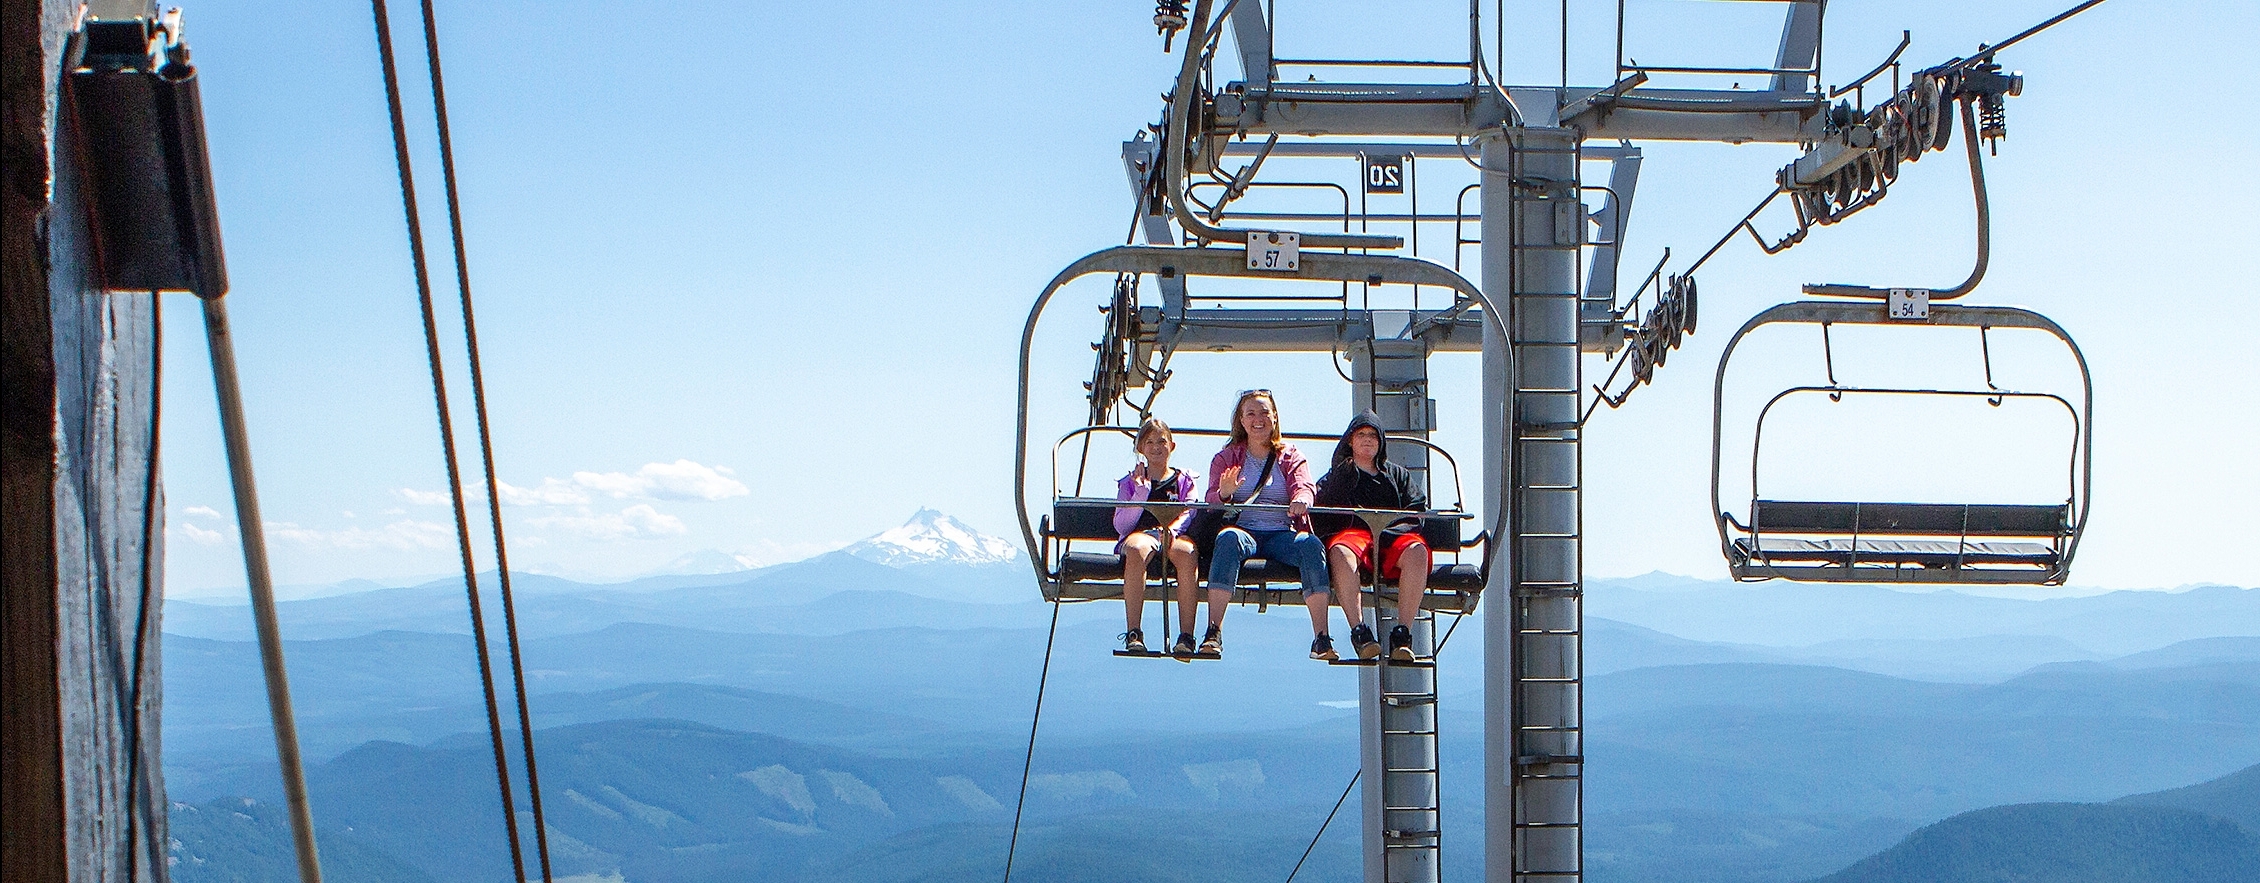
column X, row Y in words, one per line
column 447, row 432
column 1027, row 763
column 486, row 443
column 1322, row 826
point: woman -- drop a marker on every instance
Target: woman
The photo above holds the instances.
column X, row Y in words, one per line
column 1363, row 478
column 1258, row 466
column 1144, row 532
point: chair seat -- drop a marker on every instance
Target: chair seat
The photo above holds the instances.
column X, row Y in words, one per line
column 1928, row 553
column 1096, row 566
column 1078, row 566
column 1456, row 578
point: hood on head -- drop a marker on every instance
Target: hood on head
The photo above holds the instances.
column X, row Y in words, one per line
column 1342, row 455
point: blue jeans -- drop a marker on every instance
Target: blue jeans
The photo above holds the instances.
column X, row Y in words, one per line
column 1293, row 548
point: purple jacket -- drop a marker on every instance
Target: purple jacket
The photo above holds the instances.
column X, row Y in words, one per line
column 1291, row 468
column 1128, row 488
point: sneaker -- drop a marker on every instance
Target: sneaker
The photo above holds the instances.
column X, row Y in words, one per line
column 1184, row 645
column 1213, row 642
column 1322, row 647
column 1134, row 641
column 1400, row 644
column 1361, row 640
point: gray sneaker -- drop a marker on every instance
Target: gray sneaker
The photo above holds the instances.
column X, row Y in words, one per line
column 1400, row 644
column 1361, row 640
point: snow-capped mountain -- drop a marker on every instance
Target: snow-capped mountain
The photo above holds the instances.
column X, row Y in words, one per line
column 931, row 537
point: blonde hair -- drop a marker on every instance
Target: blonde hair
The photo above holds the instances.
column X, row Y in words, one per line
column 1240, row 433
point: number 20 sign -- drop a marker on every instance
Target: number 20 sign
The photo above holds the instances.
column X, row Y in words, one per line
column 1385, row 173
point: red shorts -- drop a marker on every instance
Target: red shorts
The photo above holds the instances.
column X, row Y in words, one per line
column 1360, row 543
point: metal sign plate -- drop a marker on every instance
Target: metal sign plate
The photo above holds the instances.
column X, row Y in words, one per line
column 1275, row 251
column 1385, row 173
column 1909, row 303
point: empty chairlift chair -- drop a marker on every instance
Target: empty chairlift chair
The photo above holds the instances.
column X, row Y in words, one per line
column 1881, row 542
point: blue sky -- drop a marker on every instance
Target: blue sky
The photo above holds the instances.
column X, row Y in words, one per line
column 751, row 278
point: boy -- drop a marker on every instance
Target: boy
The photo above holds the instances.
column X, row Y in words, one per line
column 1363, row 478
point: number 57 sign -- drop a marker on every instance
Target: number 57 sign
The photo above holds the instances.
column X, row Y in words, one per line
column 1275, row 251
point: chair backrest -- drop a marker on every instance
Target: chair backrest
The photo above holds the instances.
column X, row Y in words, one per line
column 1083, row 521
column 1441, row 533
column 1923, row 519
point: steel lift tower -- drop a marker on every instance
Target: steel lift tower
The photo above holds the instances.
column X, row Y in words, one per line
column 1529, row 144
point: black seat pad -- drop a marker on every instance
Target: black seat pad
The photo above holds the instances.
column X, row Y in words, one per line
column 1940, row 553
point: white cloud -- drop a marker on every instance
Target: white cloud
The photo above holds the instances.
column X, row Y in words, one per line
column 551, row 492
column 680, row 480
column 424, row 498
column 201, row 511
column 403, row 535
column 639, row 520
column 198, row 535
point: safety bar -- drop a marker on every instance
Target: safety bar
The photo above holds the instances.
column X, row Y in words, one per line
column 1459, row 496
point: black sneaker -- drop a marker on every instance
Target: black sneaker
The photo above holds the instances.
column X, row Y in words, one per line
column 1400, row 644
column 1184, row 645
column 1322, row 647
column 1134, row 641
column 1361, row 640
column 1213, row 642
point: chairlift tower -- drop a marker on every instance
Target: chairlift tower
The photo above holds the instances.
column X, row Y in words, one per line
column 1536, row 235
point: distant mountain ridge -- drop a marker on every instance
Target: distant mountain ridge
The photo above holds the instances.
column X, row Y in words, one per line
column 2067, row 843
column 2205, row 833
column 2235, row 797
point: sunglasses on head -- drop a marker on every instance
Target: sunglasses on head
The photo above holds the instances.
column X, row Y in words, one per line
column 1252, row 392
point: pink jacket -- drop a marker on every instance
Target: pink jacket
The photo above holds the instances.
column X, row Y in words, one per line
column 1128, row 488
column 1291, row 468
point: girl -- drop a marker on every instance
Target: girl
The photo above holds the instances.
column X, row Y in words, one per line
column 1258, row 466
column 1144, row 532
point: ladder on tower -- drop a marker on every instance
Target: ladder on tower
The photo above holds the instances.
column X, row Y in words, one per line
column 1397, row 700
column 1546, row 573
column 1410, row 786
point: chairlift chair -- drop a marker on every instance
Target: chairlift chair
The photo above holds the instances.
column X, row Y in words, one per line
column 1079, row 562
column 1061, row 543
column 1898, row 542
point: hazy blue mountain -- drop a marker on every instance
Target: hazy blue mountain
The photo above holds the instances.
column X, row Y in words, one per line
column 2235, row 797
column 1726, row 772
column 2067, row 843
column 1938, row 634
column 1790, row 614
column 1719, row 750
column 2199, row 650
column 1816, row 741
column 1726, row 846
column 675, row 801
column 240, row 840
